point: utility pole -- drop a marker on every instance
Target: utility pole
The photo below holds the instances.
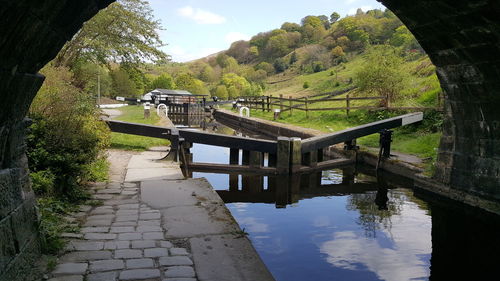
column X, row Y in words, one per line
column 99, row 88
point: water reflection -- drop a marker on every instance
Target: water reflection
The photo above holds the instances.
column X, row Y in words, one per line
column 344, row 225
column 331, row 225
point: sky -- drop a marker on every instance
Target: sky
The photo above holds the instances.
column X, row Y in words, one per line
column 196, row 28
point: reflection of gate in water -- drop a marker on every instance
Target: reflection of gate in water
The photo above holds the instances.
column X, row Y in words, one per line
column 186, row 114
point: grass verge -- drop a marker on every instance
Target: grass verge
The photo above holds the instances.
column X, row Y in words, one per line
column 135, row 114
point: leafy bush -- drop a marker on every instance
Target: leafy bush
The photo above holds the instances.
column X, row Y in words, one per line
column 280, row 65
column 66, row 137
column 318, row 66
column 42, row 182
column 306, row 85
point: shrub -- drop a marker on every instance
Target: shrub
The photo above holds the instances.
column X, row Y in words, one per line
column 306, row 85
column 318, row 66
column 66, row 137
column 52, row 223
column 280, row 65
column 42, row 182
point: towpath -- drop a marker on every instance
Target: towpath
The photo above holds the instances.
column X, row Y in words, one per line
column 155, row 225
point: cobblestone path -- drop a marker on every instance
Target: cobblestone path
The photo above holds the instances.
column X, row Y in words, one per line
column 122, row 239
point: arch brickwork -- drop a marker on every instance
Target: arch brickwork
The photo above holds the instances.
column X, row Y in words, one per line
column 462, row 39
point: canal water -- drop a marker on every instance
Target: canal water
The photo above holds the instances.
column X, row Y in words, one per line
column 351, row 225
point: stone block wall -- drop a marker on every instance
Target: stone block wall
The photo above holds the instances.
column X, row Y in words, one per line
column 31, row 34
column 19, row 241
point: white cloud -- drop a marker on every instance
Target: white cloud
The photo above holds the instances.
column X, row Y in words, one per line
column 236, row 36
column 201, row 16
column 253, row 225
column 410, row 242
column 352, row 11
column 350, row 1
column 179, row 54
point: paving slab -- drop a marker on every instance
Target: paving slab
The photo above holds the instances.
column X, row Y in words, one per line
column 68, row 278
column 86, row 256
column 191, row 221
column 138, row 274
column 102, row 276
column 227, row 258
column 70, row 269
column 134, row 175
column 166, row 194
column 147, row 160
column 179, row 271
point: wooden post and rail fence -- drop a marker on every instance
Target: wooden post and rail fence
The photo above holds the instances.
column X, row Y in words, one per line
column 247, row 155
column 306, row 104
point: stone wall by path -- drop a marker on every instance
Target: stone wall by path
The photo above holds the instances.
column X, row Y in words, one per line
column 31, row 34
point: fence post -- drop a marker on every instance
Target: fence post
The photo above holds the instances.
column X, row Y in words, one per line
column 268, row 104
column 348, row 105
column 281, row 103
column 296, row 154
column 290, row 103
column 307, row 107
column 283, row 155
column 263, row 103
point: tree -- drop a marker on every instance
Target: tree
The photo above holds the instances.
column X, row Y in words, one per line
column 233, row 92
column 404, row 39
column 187, row 82
column 122, row 84
column 312, row 21
column 222, row 60
column 254, row 75
column 240, row 50
column 382, row 73
column 240, row 84
column 313, row 34
column 291, row 27
column 280, row 65
column 267, row 67
column 164, row 81
column 221, row 92
column 337, row 54
column 325, row 20
column 277, row 46
column 350, row 28
column 254, row 51
column 86, row 78
column 311, row 55
column 125, row 31
column 208, row 74
column 334, row 17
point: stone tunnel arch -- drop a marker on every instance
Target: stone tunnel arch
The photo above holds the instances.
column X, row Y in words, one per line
column 462, row 38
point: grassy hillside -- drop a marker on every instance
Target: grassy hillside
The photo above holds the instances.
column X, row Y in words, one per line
column 422, row 91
